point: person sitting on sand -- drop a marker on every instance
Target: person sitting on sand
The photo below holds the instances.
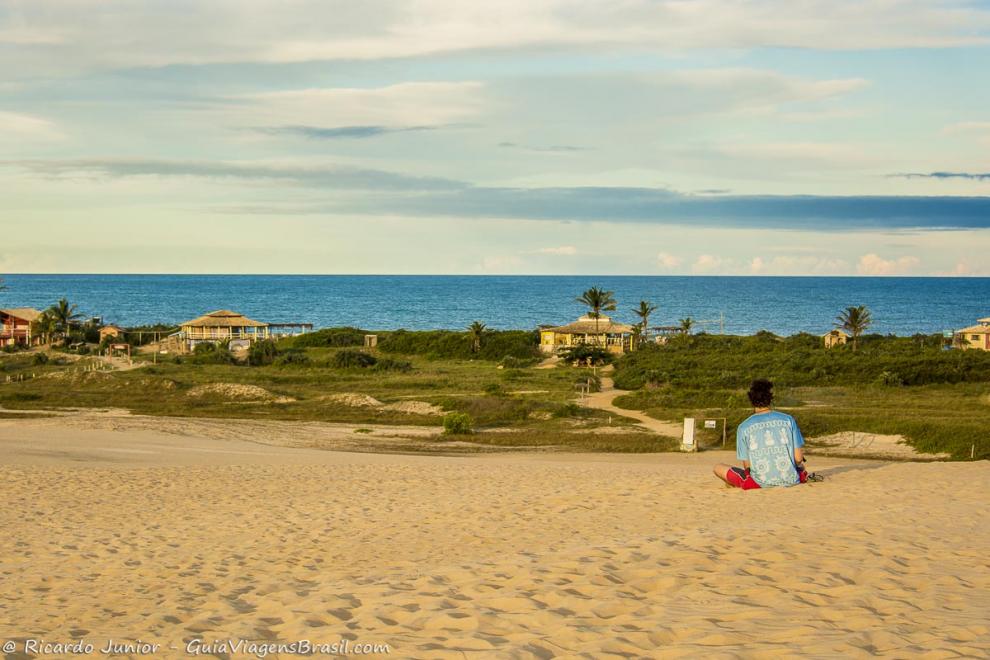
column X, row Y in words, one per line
column 769, row 445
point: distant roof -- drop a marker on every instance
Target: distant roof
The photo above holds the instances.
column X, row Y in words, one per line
column 224, row 318
column 975, row 329
column 111, row 326
column 986, row 320
column 834, row 332
column 587, row 325
column 23, row 313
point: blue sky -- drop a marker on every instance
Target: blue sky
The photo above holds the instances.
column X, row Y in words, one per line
column 435, row 136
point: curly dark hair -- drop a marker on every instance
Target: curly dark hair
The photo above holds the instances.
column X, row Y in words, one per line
column 761, row 393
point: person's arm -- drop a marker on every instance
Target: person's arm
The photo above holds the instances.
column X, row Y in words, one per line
column 742, row 448
column 798, row 446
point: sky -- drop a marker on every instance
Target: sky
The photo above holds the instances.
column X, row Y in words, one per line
column 711, row 137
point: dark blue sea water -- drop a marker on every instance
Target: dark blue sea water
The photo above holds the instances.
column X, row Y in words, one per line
column 783, row 305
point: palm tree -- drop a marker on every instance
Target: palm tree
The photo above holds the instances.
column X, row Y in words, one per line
column 44, row 327
column 64, row 316
column 476, row 331
column 686, row 325
column 854, row 320
column 597, row 301
column 643, row 312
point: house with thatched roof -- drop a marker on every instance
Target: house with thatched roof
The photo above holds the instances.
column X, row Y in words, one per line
column 975, row 336
column 15, row 326
column 220, row 326
column 587, row 330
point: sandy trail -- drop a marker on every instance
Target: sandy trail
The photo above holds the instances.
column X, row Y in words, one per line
column 528, row 556
column 602, row 400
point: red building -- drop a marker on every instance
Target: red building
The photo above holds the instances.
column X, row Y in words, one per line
column 15, row 326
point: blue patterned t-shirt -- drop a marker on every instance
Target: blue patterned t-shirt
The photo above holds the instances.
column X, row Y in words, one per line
column 767, row 441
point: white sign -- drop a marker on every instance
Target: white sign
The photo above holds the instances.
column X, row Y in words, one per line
column 688, row 439
column 710, row 423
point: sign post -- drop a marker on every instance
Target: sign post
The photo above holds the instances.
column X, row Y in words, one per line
column 687, row 440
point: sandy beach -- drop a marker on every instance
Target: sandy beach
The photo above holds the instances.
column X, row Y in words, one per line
column 168, row 537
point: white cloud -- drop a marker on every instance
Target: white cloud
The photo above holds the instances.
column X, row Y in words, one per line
column 501, row 264
column 562, row 251
column 874, row 265
column 117, row 33
column 966, row 268
column 668, row 261
column 798, row 265
column 709, row 264
column 18, row 126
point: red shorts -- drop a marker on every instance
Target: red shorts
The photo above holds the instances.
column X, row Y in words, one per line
column 741, row 478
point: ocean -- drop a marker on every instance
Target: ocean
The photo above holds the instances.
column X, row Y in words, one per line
column 742, row 305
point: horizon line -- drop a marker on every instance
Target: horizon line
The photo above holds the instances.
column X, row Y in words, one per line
column 699, row 275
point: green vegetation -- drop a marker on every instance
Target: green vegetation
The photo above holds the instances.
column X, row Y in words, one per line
column 262, row 353
column 597, row 301
column 937, row 399
column 586, row 354
column 458, row 423
column 713, row 362
column 312, row 384
column 64, row 317
column 855, row 321
column 447, row 344
column 330, row 338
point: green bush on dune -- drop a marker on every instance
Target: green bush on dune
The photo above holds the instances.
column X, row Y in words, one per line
column 457, row 423
column 708, row 361
column 495, row 345
column 329, row 338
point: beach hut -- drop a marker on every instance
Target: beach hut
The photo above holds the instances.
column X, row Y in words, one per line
column 835, row 338
column 603, row 331
column 15, row 326
column 975, row 336
column 221, row 326
column 111, row 331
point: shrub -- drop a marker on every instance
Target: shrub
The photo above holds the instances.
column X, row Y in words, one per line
column 458, row 423
column 587, row 355
column 330, row 337
column 890, row 379
column 40, row 359
column 352, row 360
column 567, row 410
column 388, row 364
column 494, row 389
column 209, row 353
column 262, row 353
column 590, row 382
column 512, row 362
column 292, row 358
column 497, row 345
column 712, row 362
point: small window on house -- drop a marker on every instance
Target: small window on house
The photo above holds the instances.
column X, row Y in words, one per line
column 975, row 337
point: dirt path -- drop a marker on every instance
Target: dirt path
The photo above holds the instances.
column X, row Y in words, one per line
column 603, row 401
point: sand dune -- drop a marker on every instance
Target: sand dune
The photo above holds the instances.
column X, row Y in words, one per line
column 529, row 556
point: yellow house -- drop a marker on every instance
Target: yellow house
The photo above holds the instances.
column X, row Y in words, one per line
column 835, row 338
column 975, row 336
column 112, row 331
column 614, row 337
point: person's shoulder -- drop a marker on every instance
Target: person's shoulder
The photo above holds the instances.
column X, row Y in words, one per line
column 748, row 421
column 784, row 416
